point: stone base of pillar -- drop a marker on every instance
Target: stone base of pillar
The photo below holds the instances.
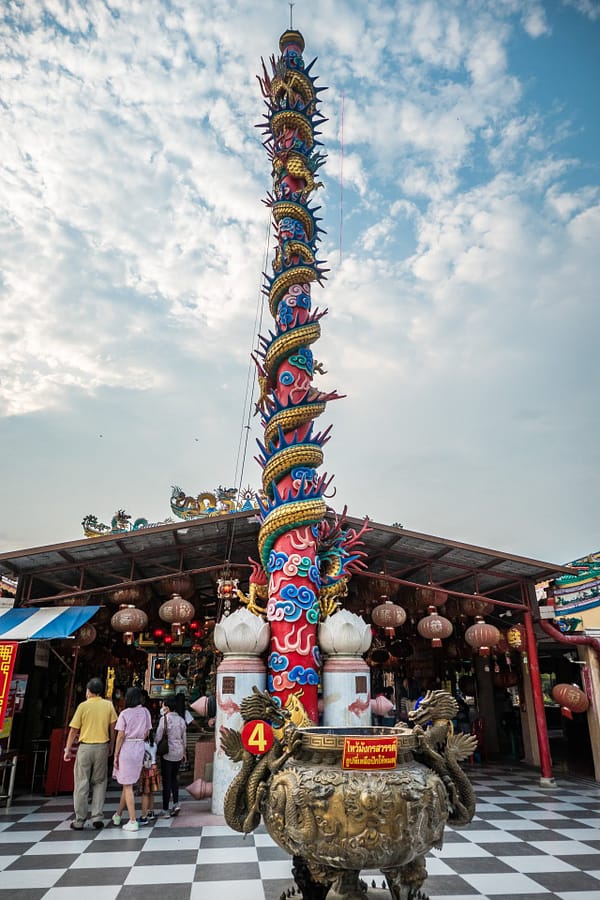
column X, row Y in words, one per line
column 236, row 676
column 346, row 692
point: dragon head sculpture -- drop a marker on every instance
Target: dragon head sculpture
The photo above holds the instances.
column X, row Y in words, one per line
column 434, row 706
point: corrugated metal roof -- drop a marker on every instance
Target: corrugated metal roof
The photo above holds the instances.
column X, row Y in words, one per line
column 201, row 547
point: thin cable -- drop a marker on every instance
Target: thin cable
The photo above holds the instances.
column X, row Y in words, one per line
column 245, row 428
column 342, row 180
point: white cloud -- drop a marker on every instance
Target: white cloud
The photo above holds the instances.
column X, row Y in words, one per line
column 133, row 238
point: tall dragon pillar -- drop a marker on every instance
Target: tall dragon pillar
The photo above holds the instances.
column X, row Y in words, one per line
column 294, row 507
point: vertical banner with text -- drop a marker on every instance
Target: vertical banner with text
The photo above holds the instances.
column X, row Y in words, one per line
column 8, row 655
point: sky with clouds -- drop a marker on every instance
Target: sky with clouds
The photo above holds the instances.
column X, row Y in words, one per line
column 461, row 201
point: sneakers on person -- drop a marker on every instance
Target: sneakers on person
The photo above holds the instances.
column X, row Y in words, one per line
column 98, row 823
column 116, row 819
column 151, row 816
column 77, row 826
column 176, row 810
column 131, row 826
column 165, row 813
column 143, row 820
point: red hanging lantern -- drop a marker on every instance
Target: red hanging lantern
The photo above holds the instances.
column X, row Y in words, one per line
column 434, row 627
column 79, row 600
column 474, row 606
column 429, row 596
column 570, row 698
column 177, row 584
column 506, row 679
column 177, row 612
column 388, row 615
column 84, row 636
column 128, row 620
column 481, row 636
column 134, row 595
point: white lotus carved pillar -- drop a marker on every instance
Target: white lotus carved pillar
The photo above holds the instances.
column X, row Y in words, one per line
column 242, row 637
column 343, row 639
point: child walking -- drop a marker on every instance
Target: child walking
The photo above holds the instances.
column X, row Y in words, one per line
column 149, row 780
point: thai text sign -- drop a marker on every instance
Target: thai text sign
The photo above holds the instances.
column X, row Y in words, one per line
column 370, row 753
column 8, row 654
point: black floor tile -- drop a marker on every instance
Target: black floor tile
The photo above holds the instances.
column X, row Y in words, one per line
column 117, row 846
column 219, row 841
column 39, row 861
column 230, row 872
column 478, row 865
column 561, row 882
column 536, row 834
column 156, row 892
column 266, row 854
column 274, row 888
column 22, row 893
column 516, row 848
column 98, row 876
column 16, row 849
column 181, row 857
column 444, row 885
column 30, row 826
column 585, row 862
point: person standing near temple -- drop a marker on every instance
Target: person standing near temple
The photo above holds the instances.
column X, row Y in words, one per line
column 173, row 726
column 133, row 726
column 94, row 724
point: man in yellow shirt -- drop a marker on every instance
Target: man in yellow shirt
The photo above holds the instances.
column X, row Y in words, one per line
column 94, row 723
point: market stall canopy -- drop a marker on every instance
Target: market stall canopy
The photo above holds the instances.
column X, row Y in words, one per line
column 35, row 624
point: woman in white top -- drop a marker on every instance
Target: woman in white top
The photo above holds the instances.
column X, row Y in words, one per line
column 175, row 728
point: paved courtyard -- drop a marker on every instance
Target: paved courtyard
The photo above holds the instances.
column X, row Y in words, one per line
column 525, row 842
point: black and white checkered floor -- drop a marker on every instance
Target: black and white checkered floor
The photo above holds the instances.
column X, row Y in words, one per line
column 525, row 842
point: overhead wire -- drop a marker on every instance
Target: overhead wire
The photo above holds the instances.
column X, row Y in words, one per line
column 251, row 380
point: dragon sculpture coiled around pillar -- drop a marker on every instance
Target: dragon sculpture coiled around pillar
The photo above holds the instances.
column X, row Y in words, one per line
column 302, row 584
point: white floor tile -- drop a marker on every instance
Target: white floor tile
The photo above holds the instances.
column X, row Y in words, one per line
column 563, row 848
column 492, row 885
column 240, row 890
column 580, row 834
column 539, row 815
column 6, row 861
column 517, row 824
column 457, row 851
column 437, row 866
column 578, row 895
column 276, row 868
column 48, row 815
column 224, row 855
column 45, row 848
column 490, row 837
column 172, row 843
column 23, row 837
column 161, row 874
column 218, row 831
column 261, row 840
column 97, row 892
column 32, row 878
column 541, row 862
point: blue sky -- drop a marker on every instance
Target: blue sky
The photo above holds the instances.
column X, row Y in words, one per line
column 464, row 307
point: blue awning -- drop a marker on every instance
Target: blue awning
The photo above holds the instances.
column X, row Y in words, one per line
column 35, row 624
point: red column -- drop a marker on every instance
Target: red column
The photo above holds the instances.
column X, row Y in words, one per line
column 538, row 699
